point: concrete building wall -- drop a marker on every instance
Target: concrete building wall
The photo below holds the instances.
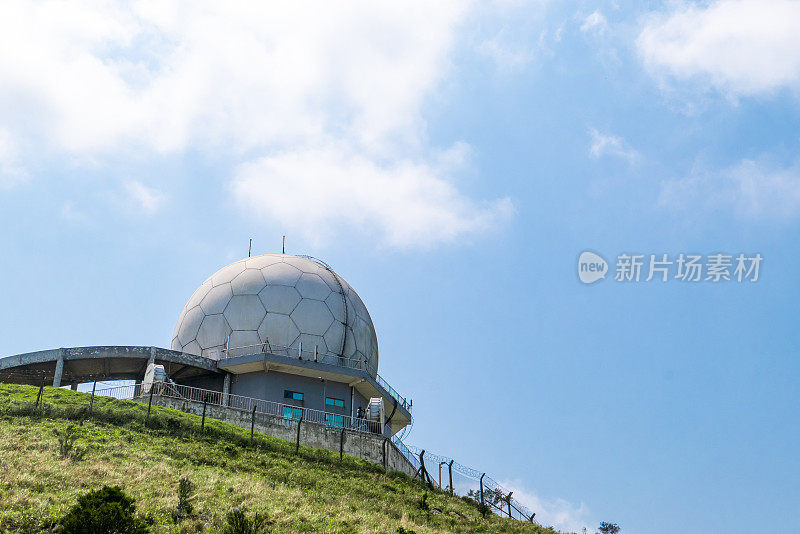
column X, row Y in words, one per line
column 373, row 448
column 271, row 387
column 213, row 383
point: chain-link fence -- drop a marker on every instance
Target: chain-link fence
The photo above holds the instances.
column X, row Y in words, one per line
column 463, row 480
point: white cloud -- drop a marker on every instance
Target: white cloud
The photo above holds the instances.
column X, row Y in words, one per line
column 595, row 22
column 246, row 81
column 740, row 47
column 70, row 213
column 170, row 75
column 405, row 202
column 11, row 168
column 611, row 145
column 559, row 513
column 751, row 189
column 522, row 37
column 506, row 57
column 147, row 200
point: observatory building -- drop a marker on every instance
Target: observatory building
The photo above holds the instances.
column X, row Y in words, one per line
column 284, row 329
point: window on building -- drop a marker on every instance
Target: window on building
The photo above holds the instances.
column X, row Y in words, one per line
column 336, row 403
column 291, row 413
column 293, row 395
column 336, row 421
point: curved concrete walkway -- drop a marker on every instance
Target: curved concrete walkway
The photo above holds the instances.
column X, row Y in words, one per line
column 73, row 365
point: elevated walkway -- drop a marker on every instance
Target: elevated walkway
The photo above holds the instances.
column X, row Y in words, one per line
column 74, row 365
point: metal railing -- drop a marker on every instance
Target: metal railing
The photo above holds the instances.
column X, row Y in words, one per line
column 411, row 457
column 284, row 412
column 315, row 356
column 280, row 411
column 295, row 352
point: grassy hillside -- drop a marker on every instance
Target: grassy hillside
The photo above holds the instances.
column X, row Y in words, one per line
column 310, row 492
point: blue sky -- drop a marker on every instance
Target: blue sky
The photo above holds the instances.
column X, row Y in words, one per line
column 451, row 162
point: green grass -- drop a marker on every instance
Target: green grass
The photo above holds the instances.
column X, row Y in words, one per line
column 312, row 491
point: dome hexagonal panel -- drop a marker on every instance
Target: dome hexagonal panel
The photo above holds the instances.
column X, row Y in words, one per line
column 248, row 282
column 246, row 338
column 335, row 303
column 312, row 317
column 281, row 274
column 349, row 344
column 244, row 312
column 280, row 299
column 226, row 274
column 259, row 262
column 190, row 325
column 329, row 278
column 278, row 329
column 198, row 295
column 193, row 348
column 216, row 299
column 311, row 286
column 214, row 331
column 334, row 337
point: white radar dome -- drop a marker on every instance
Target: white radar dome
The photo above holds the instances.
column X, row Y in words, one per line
column 280, row 300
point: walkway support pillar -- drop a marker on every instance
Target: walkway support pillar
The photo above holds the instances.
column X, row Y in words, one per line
column 59, row 369
column 226, row 388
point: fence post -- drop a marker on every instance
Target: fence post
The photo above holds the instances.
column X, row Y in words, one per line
column 203, row 420
column 341, row 445
column 450, row 470
column 483, row 475
column 91, row 402
column 425, row 475
column 39, row 396
column 508, row 500
column 252, row 422
column 149, row 404
column 297, row 442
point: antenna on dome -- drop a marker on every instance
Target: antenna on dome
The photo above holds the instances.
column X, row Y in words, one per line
column 283, row 248
column 250, row 248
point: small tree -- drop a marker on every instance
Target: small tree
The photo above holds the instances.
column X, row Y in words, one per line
column 66, row 443
column 609, row 528
column 185, row 490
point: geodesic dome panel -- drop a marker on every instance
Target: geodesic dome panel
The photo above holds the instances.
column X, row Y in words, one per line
column 281, row 300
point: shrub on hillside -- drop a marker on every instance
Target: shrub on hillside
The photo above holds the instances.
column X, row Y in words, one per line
column 104, row 511
column 237, row 522
column 66, row 443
